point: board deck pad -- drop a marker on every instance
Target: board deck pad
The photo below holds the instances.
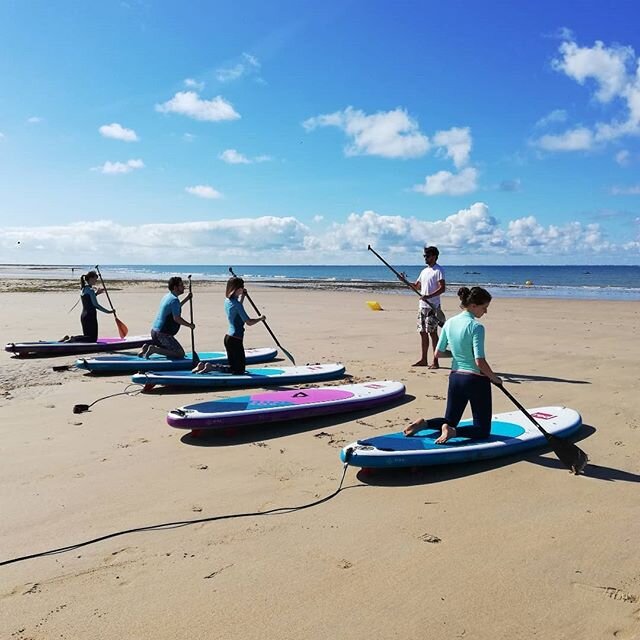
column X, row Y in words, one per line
column 131, row 363
column 254, row 376
column 273, row 406
column 511, row 432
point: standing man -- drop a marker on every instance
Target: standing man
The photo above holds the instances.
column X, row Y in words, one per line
column 431, row 285
column 168, row 322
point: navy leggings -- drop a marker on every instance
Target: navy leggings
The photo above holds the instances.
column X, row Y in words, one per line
column 235, row 354
column 464, row 388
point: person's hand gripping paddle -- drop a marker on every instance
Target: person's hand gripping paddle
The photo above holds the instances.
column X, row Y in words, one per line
column 286, row 353
column 122, row 327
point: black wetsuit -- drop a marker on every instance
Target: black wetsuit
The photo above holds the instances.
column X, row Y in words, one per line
column 88, row 317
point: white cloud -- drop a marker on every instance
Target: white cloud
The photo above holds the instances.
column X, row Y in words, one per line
column 626, row 191
column 189, row 103
column 194, row 84
column 623, row 158
column 204, row 191
column 471, row 233
column 457, row 144
column 389, row 134
column 231, row 156
column 451, row 184
column 35, row 120
column 580, row 139
column 118, row 132
column 615, row 72
column 318, row 218
column 247, row 65
column 557, row 115
column 120, row 167
column 607, row 66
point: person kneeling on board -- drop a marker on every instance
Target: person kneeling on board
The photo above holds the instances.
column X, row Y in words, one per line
column 471, row 376
column 237, row 317
column 89, row 317
column 168, row 322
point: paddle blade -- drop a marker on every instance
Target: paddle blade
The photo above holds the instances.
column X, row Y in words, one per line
column 286, row 353
column 572, row 456
column 123, row 330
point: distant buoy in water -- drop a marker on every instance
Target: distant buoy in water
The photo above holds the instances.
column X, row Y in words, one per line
column 528, row 283
column 374, row 306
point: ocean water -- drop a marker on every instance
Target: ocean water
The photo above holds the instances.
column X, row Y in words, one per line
column 588, row 282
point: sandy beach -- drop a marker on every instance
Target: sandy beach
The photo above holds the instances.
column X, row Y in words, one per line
column 516, row 548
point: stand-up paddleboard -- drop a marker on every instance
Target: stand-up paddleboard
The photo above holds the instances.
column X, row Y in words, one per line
column 254, row 377
column 274, row 406
column 52, row 348
column 511, row 433
column 129, row 363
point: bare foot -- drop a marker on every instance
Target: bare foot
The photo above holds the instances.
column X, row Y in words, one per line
column 420, row 363
column 143, row 352
column 447, row 433
column 414, row 427
column 435, row 365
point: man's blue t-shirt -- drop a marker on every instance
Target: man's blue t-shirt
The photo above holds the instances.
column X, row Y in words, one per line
column 237, row 316
column 169, row 307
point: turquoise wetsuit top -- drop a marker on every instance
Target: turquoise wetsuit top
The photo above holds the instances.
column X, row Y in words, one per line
column 237, row 316
column 169, row 307
column 463, row 335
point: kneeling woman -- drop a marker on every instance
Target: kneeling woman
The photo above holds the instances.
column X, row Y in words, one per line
column 88, row 317
column 233, row 341
column 471, row 376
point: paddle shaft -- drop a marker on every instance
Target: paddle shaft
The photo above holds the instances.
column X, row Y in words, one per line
column 104, row 286
column 401, row 278
column 264, row 322
column 526, row 413
column 194, row 355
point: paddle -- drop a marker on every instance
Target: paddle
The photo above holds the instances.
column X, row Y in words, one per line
column 568, row 453
column 403, row 279
column 286, row 353
column 195, row 357
column 122, row 327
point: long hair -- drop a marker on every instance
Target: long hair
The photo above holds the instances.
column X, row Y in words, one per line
column 233, row 284
column 85, row 277
column 475, row 295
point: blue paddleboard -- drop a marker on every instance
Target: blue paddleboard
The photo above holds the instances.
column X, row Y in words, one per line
column 511, row 433
column 254, row 377
column 129, row 363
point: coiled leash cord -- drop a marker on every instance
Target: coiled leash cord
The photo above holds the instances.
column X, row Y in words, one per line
column 183, row 523
column 81, row 408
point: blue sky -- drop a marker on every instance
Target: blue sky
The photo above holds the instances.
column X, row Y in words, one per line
column 291, row 132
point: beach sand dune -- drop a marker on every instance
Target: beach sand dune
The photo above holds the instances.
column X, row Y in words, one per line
column 516, row 548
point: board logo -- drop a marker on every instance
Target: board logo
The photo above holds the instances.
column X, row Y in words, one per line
column 543, row 416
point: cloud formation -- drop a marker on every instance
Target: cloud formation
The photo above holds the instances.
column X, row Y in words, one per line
column 247, row 65
column 388, row 134
column 189, row 103
column 456, row 143
column 204, row 191
column 612, row 72
column 118, row 132
column 194, row 84
column 471, row 232
column 232, row 156
column 120, row 167
column 449, row 184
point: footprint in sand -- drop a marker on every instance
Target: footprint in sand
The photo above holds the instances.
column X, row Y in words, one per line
column 429, row 537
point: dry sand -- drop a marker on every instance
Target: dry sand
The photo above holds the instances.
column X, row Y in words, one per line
column 516, row 548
